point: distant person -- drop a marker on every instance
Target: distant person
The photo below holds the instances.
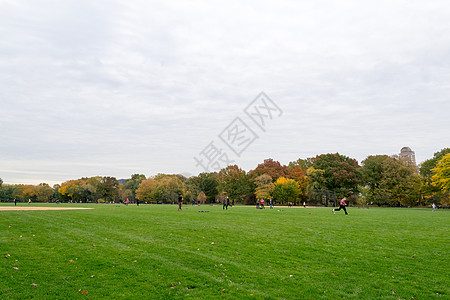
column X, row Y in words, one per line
column 15, row 202
column 180, row 202
column 127, row 202
column 137, row 202
column 29, row 201
column 262, row 203
column 224, row 204
column 271, row 203
column 228, row 202
column 257, row 203
column 342, row 205
column 432, row 205
column 304, row 204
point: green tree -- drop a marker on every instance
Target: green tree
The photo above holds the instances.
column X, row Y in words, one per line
column 235, row 183
column 109, row 189
column 390, row 181
column 45, row 193
column 305, row 164
column 8, row 193
column 341, row 173
column 207, row 183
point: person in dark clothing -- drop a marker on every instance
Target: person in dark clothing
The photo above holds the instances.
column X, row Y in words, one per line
column 342, row 205
column 226, row 203
column 180, row 202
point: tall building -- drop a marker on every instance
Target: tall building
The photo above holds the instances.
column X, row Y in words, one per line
column 408, row 155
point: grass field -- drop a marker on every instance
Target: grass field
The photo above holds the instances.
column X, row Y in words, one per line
column 156, row 252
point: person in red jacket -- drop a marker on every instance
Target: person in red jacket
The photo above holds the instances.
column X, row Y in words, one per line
column 342, row 205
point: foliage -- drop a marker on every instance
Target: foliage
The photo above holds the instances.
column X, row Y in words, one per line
column 45, row 193
column 264, row 186
column 441, row 177
column 235, row 183
column 163, row 189
column 201, row 198
column 286, row 190
column 432, row 192
column 341, row 174
column 109, row 188
column 145, row 190
column 299, row 175
column 304, row 164
column 132, row 185
column 167, row 189
column 390, row 181
column 270, row 167
column 207, row 183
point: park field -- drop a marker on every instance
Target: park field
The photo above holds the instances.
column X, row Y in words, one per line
column 156, row 252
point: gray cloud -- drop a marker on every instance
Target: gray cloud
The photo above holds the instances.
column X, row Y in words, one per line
column 116, row 87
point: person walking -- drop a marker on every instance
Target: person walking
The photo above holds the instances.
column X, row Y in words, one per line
column 262, row 203
column 271, row 203
column 432, row 205
column 342, row 205
column 15, row 202
column 180, row 202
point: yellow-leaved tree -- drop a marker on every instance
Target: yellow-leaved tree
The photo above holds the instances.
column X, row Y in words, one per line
column 441, row 177
column 286, row 190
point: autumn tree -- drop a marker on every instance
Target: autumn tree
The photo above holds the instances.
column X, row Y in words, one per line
column 299, row 175
column 430, row 191
column 270, row 167
column 167, row 189
column 29, row 192
column 132, row 184
column 263, row 186
column 145, row 190
column 201, row 198
column 286, row 190
column 441, row 178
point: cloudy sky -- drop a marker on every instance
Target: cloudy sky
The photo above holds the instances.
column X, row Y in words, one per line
column 114, row 88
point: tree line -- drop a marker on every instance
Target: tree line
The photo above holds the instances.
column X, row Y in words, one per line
column 378, row 180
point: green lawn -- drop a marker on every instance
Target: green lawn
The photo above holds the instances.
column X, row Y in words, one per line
column 156, row 252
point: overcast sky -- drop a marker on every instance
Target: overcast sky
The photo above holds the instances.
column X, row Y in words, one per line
column 114, row 88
